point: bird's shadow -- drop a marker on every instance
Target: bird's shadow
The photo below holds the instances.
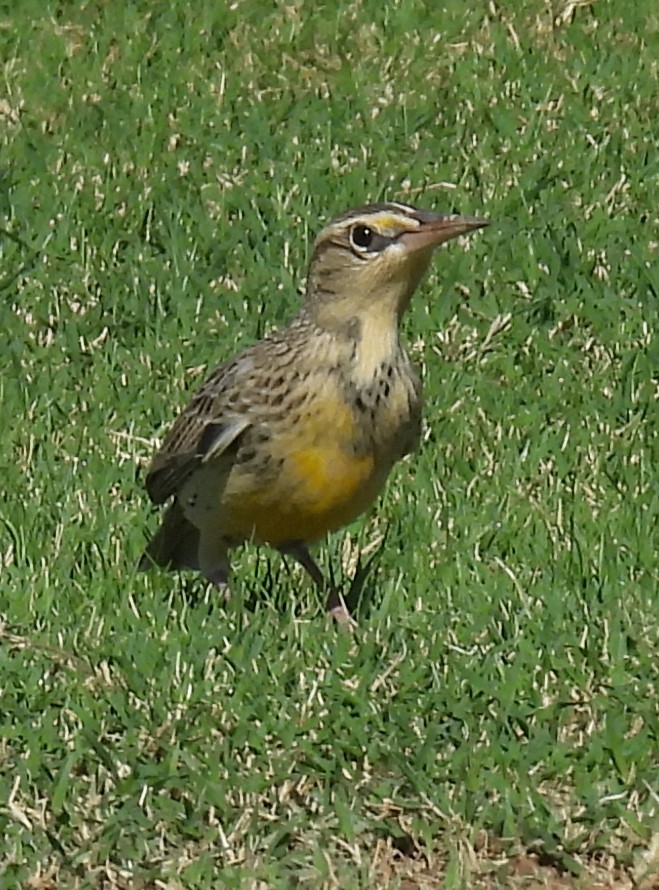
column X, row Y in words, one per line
column 357, row 593
column 266, row 584
column 359, row 596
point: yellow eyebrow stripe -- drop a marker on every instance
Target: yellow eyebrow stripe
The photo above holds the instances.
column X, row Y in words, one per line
column 387, row 224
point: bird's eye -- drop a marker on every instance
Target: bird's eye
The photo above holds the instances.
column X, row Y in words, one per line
column 361, row 237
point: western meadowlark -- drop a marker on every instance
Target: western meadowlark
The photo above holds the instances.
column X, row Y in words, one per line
column 295, row 436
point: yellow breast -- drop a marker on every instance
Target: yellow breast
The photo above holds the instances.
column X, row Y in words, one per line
column 323, row 483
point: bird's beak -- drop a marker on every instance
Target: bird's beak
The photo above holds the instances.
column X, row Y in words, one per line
column 437, row 228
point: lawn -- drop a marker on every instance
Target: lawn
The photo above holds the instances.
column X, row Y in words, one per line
column 494, row 719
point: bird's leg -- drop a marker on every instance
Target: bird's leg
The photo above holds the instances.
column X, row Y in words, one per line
column 214, row 563
column 335, row 604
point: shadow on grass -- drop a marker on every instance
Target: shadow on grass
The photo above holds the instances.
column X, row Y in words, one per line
column 273, row 583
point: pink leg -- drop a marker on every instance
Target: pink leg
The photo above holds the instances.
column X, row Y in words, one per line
column 335, row 603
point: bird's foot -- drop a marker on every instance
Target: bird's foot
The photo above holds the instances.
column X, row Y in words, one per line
column 219, row 578
column 337, row 609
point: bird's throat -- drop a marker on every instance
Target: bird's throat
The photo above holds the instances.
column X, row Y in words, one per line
column 376, row 347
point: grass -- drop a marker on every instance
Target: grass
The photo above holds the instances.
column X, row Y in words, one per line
column 494, row 720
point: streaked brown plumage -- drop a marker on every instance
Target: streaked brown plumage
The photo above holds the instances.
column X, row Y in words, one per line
column 296, row 435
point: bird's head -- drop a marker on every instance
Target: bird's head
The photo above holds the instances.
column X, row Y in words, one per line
column 367, row 262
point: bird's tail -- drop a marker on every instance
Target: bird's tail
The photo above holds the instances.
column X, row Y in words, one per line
column 175, row 545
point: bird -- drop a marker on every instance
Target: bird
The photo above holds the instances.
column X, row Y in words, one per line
column 294, row 437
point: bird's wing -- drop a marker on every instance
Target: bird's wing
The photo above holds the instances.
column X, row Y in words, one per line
column 209, row 427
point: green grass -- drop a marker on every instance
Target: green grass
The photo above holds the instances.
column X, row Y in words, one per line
column 163, row 168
